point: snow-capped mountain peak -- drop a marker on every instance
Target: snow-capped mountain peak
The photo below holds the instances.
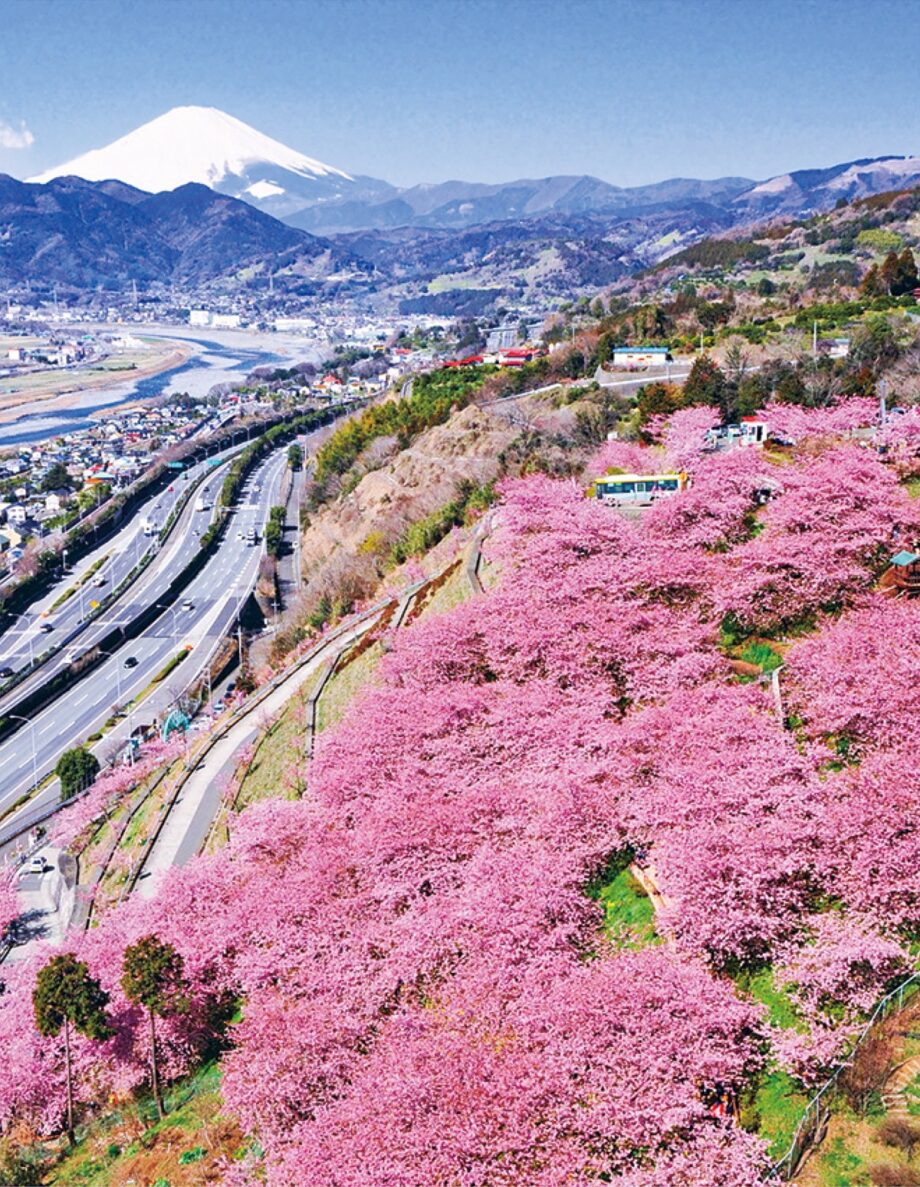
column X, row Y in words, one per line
column 205, row 145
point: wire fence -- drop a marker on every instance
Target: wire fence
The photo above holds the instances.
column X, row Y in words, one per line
column 810, row 1128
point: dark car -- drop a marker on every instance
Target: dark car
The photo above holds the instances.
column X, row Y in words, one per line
column 5, row 673
column 131, row 661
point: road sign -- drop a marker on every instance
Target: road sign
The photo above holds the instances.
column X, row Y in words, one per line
column 175, row 465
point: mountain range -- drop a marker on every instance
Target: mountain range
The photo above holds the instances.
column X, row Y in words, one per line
column 84, row 235
column 197, row 197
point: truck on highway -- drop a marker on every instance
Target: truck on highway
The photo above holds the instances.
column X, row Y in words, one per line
column 203, row 503
column 148, row 525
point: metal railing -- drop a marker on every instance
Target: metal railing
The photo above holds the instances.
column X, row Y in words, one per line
column 818, row 1109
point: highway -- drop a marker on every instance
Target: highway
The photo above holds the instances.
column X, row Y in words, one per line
column 43, row 627
column 216, row 596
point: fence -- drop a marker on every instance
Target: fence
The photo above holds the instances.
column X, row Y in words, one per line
column 809, row 1130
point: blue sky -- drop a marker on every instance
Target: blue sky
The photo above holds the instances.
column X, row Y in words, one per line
column 426, row 90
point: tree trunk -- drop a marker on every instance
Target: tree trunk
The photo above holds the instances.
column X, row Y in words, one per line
column 70, row 1126
column 155, row 1071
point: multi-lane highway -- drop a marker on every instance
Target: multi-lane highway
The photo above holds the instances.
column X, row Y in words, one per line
column 207, row 607
column 50, row 622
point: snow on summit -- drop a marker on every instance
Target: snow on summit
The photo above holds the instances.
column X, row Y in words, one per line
column 200, row 144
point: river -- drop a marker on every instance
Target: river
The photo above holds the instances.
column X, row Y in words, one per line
column 222, row 357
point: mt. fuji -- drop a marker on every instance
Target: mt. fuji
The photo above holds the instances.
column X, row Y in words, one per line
column 205, row 145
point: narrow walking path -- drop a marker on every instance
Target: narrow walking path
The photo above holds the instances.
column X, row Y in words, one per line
column 190, row 816
column 894, row 1095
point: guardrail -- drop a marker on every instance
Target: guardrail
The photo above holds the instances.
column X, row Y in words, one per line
column 144, row 562
column 240, row 714
column 808, row 1132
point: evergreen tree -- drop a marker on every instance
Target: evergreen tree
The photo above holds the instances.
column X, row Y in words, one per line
column 657, row 399
column 872, row 284
column 907, row 279
column 66, row 996
column 76, row 769
column 57, row 478
column 152, row 977
column 705, row 383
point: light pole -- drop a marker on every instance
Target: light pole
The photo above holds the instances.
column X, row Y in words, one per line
column 112, row 655
column 31, row 725
column 18, row 618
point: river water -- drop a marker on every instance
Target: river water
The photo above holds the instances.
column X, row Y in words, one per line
column 215, row 361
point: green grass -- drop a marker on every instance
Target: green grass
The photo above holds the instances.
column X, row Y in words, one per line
column 776, row 1106
column 65, row 597
column 779, row 1005
column 913, row 487
column 763, row 655
column 912, row 1092
column 101, row 1151
column 456, row 589
column 164, row 672
column 629, row 917
column 278, row 752
column 345, row 685
column 774, row 1111
column 838, row 1166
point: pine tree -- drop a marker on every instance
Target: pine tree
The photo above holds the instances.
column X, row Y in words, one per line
column 871, row 283
column 907, row 272
column 889, row 274
column 152, row 977
column 66, row 996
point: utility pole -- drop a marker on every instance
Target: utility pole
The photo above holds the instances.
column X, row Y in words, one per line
column 31, row 725
column 883, row 402
column 814, row 340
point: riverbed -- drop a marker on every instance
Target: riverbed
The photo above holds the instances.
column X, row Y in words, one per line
column 218, row 356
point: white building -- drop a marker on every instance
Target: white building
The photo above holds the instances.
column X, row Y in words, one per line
column 640, row 356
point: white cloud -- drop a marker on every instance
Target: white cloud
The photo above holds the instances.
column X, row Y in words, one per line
column 11, row 137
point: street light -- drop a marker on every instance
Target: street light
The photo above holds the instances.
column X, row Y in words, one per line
column 112, row 655
column 25, row 614
column 31, row 725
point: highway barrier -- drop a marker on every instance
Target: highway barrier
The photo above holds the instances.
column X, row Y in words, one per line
column 95, row 655
column 102, row 525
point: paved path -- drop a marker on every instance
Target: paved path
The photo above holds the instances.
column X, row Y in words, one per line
column 190, row 818
column 47, row 900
